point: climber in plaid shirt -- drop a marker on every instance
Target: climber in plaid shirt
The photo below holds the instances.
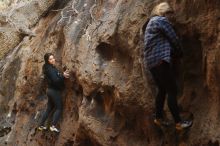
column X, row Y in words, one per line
column 162, row 46
column 160, row 40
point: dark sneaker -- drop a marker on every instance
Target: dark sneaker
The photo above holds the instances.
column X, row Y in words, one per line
column 54, row 129
column 160, row 122
column 183, row 125
column 41, row 128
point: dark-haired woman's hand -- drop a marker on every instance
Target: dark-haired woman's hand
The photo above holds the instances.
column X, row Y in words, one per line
column 66, row 74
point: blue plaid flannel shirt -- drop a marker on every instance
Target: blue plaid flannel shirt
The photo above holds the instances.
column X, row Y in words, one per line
column 160, row 40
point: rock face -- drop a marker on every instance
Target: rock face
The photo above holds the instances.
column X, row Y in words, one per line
column 109, row 99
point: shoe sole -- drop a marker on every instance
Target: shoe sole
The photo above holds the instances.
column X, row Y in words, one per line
column 54, row 131
column 180, row 129
column 40, row 129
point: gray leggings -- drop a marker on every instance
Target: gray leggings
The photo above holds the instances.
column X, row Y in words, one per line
column 54, row 104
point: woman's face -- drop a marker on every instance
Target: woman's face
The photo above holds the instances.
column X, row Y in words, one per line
column 52, row 60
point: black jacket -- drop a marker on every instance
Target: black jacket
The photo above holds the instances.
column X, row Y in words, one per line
column 54, row 78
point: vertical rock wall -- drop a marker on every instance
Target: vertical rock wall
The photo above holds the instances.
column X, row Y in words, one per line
column 109, row 99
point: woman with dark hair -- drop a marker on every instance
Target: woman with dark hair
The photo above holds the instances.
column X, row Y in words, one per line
column 55, row 81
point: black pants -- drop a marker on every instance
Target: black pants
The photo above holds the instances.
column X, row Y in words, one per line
column 54, row 104
column 166, row 82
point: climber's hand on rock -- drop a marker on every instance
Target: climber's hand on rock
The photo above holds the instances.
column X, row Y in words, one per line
column 66, row 74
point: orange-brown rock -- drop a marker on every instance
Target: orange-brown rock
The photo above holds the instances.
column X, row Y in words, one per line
column 109, row 99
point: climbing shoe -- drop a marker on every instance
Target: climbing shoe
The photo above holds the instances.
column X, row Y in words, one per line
column 183, row 125
column 161, row 122
column 41, row 128
column 54, row 129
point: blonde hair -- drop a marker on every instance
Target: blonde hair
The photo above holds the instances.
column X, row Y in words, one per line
column 161, row 9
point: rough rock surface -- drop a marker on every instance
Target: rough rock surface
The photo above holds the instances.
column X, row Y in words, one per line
column 109, row 99
column 16, row 21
